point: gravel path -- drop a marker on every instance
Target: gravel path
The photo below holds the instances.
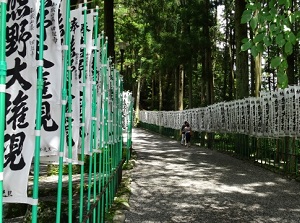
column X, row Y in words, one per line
column 172, row 183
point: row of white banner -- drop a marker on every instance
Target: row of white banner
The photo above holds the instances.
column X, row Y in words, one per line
column 21, row 52
column 127, row 103
column 273, row 114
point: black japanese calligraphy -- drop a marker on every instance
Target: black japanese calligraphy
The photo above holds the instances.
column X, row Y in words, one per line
column 15, row 74
column 18, row 109
column 13, row 151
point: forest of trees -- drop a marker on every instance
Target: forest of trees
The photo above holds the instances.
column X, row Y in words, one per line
column 184, row 54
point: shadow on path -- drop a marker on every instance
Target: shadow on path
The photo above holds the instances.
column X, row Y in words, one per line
column 172, row 183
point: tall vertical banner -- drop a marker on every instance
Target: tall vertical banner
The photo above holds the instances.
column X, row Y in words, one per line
column 99, row 96
column 89, row 80
column 52, row 75
column 20, row 98
column 76, row 20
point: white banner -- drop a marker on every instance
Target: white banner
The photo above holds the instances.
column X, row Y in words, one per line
column 89, row 79
column 272, row 115
column 20, row 98
column 51, row 108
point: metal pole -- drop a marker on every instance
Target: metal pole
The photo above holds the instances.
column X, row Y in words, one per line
column 3, row 69
column 94, row 108
column 38, row 113
column 63, row 110
column 103, row 142
column 83, row 113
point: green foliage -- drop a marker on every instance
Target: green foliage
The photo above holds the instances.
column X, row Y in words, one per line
column 272, row 24
column 167, row 35
column 53, row 169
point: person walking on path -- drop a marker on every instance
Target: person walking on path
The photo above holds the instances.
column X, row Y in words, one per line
column 183, row 133
column 188, row 134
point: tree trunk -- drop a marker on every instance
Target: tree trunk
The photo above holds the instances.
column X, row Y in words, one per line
column 291, row 69
column 152, row 92
column 181, row 87
column 160, row 106
column 242, row 78
column 226, row 63
column 190, row 80
column 176, row 90
column 109, row 25
column 137, row 102
column 257, row 71
column 208, row 65
column 242, row 71
column 204, row 82
column 231, row 74
column 252, row 72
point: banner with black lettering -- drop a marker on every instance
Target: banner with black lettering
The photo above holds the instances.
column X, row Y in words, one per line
column 89, row 80
column 52, row 75
column 20, row 98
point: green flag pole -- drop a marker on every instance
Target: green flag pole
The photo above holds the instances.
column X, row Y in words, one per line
column 106, row 160
column 116, row 126
column 111, row 131
column 116, row 116
column 114, row 122
column 66, row 64
column 3, row 69
column 94, row 109
column 128, row 128
column 70, row 138
column 92, row 134
column 38, row 120
column 99, row 119
column 110, row 148
column 83, row 106
column 120, row 116
column 102, row 135
column 118, row 122
column 100, row 124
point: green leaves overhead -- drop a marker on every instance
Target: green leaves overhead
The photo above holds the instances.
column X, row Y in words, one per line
column 246, row 17
column 288, row 48
column 282, row 79
column 254, row 22
column 246, row 46
column 275, row 62
column 280, row 41
column 272, row 25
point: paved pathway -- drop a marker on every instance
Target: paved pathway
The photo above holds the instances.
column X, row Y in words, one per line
column 171, row 183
